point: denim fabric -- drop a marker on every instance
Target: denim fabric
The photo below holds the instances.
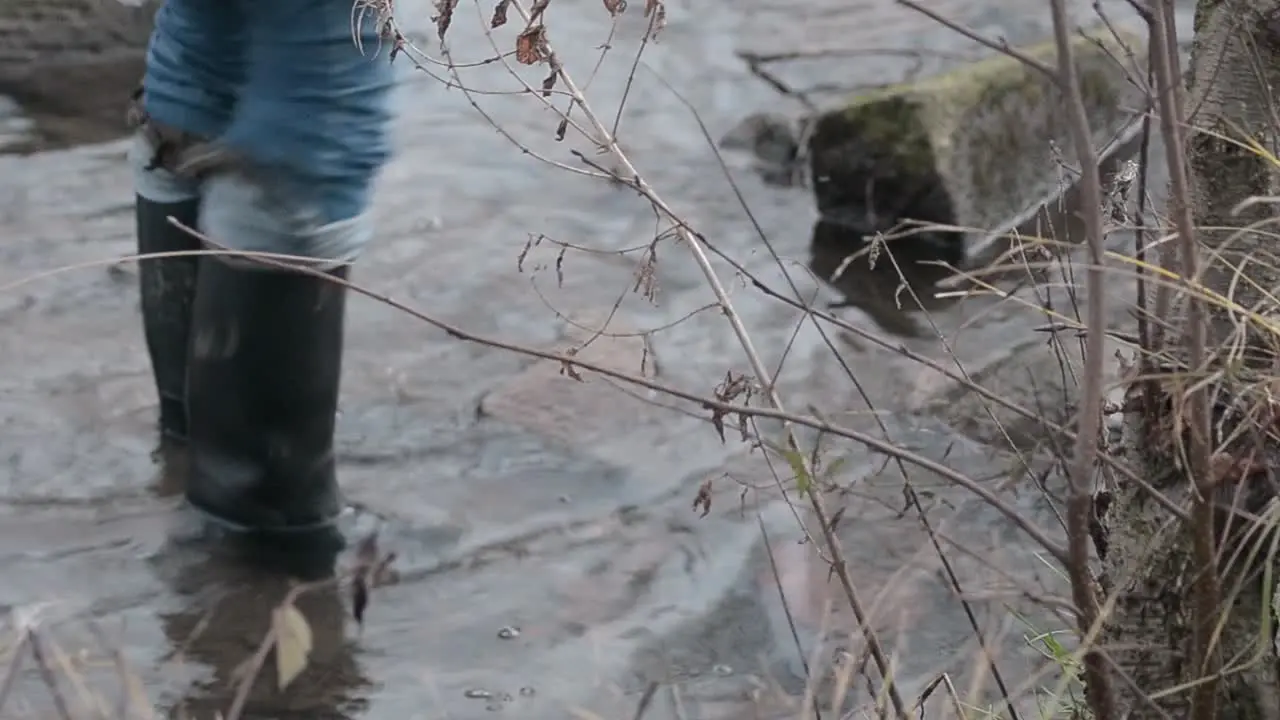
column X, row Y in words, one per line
column 282, row 84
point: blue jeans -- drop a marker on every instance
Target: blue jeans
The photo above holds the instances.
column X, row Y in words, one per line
column 283, row 87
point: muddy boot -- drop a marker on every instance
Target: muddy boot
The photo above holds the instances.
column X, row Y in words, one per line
column 167, row 288
column 266, row 357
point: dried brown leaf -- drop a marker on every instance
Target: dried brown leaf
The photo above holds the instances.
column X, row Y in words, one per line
column 444, row 16
column 367, row 562
column 717, row 420
column 656, row 11
column 499, row 14
column 531, row 45
column 702, row 501
column 567, row 368
column 359, row 598
column 293, row 644
column 615, row 7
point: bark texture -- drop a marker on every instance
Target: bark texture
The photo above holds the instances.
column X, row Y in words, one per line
column 1235, row 70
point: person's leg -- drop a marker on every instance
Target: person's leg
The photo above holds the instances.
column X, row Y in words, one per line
column 194, row 66
column 294, row 175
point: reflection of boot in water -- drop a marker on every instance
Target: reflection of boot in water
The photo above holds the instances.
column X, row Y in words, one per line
column 227, row 613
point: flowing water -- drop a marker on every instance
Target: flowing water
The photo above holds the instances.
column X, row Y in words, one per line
column 549, row 556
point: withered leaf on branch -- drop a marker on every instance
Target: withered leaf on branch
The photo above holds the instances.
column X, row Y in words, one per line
column 444, row 15
column 531, row 45
column 293, row 643
column 366, row 565
column 656, row 11
column 567, row 367
column 702, row 501
column 615, row 7
column 717, row 419
column 359, row 598
column 549, row 84
column 499, row 14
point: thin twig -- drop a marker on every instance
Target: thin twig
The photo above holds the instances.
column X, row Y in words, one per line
column 1000, row 46
column 1098, row 687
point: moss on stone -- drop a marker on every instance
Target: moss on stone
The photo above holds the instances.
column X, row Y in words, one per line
column 970, row 147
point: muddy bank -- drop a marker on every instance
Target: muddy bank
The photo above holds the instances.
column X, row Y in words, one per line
column 70, row 65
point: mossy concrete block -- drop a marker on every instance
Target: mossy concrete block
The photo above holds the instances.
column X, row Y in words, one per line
column 979, row 147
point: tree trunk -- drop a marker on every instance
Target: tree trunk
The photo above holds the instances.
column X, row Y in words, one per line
column 1235, row 69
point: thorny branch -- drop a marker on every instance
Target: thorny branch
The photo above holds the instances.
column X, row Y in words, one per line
column 1080, row 501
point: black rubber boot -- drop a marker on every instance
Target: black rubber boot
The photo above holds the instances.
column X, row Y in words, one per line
column 167, row 288
column 262, row 393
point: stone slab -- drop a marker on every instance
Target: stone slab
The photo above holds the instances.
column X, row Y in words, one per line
column 976, row 147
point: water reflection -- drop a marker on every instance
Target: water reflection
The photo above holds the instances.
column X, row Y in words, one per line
column 225, row 611
column 890, row 282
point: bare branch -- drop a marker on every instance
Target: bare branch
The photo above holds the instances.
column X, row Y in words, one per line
column 998, row 45
column 1080, row 501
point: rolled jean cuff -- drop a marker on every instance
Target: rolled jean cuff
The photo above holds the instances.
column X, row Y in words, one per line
column 253, row 211
column 242, row 212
